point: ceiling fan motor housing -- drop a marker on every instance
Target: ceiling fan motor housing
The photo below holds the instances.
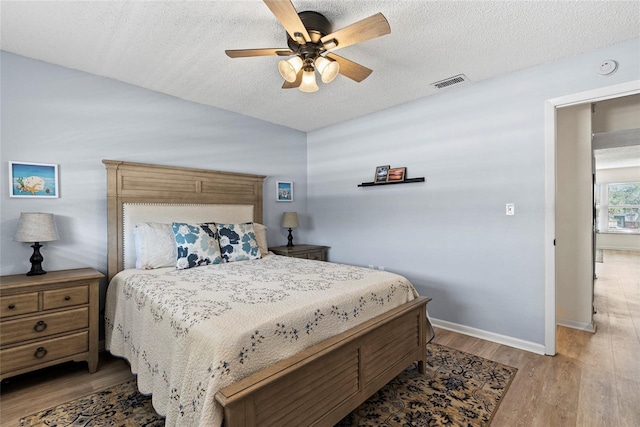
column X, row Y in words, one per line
column 317, row 26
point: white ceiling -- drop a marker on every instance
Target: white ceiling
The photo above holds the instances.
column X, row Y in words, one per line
column 177, row 47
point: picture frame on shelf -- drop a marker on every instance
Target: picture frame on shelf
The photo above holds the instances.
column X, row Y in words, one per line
column 382, row 172
column 33, row 180
column 396, row 174
column 284, row 191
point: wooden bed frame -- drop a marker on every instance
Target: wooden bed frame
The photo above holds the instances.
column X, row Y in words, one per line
column 318, row 386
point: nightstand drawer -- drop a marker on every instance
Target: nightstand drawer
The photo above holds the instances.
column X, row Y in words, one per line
column 59, row 298
column 13, row 305
column 43, row 326
column 43, row 351
column 312, row 252
column 316, row 256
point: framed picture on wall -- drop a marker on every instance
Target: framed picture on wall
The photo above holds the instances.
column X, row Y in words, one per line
column 381, row 174
column 33, row 180
column 284, row 191
column 396, row 174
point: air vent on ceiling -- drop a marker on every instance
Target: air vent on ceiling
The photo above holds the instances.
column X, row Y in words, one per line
column 451, row 81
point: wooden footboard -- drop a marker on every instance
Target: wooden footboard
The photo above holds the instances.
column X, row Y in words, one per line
column 322, row 384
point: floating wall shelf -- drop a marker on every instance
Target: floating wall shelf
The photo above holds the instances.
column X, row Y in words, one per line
column 406, row 181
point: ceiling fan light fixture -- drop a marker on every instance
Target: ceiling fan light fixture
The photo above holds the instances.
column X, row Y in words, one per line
column 289, row 68
column 327, row 68
column 308, row 83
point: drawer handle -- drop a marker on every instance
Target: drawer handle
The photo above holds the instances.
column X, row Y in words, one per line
column 67, row 298
column 40, row 353
column 40, row 326
column 12, row 306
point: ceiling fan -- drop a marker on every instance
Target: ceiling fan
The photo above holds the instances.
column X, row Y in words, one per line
column 311, row 44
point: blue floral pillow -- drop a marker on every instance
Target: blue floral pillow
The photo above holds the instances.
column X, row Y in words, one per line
column 197, row 244
column 238, row 242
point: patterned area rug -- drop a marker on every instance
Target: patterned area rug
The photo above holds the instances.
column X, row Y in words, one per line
column 458, row 389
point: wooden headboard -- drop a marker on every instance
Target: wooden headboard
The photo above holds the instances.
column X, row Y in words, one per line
column 145, row 183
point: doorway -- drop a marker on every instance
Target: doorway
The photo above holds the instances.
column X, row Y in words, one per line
column 551, row 128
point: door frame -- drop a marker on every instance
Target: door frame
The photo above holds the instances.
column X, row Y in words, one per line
column 550, row 123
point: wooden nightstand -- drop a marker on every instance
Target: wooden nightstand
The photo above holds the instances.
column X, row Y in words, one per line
column 48, row 319
column 315, row 252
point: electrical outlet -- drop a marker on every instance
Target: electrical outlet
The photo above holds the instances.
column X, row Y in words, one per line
column 381, row 268
column 511, row 209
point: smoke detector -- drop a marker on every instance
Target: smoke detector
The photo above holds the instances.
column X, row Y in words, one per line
column 606, row 68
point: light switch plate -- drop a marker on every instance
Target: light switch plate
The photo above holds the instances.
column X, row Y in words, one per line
column 511, row 209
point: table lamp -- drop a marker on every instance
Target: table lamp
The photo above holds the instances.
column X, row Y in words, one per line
column 290, row 220
column 36, row 227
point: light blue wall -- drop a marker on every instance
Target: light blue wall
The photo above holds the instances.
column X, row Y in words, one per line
column 52, row 114
column 479, row 147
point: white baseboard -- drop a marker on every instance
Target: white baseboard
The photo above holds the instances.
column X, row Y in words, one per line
column 573, row 324
column 489, row 336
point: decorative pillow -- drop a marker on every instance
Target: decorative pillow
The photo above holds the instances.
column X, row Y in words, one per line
column 196, row 244
column 238, row 242
column 155, row 245
column 261, row 237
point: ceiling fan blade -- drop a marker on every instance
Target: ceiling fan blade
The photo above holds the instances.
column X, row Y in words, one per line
column 243, row 53
column 296, row 83
column 358, row 32
column 350, row 69
column 288, row 17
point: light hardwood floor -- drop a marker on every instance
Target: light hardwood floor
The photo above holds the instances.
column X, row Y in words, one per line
column 594, row 380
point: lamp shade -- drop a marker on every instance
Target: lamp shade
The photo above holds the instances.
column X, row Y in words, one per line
column 290, row 220
column 308, row 83
column 327, row 68
column 36, row 227
column 289, row 68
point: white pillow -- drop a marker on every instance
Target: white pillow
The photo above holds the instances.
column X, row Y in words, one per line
column 155, row 245
column 261, row 237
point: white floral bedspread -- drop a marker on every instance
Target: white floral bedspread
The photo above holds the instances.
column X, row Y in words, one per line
column 189, row 333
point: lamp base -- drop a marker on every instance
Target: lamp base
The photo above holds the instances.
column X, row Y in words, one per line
column 36, row 261
column 290, row 238
column 36, row 272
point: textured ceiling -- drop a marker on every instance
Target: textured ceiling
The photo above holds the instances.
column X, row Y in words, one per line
column 178, row 47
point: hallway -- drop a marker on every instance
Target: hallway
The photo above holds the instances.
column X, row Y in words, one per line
column 610, row 358
column 609, row 381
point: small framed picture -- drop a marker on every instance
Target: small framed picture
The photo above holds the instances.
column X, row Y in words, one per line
column 396, row 174
column 284, row 191
column 33, row 180
column 381, row 174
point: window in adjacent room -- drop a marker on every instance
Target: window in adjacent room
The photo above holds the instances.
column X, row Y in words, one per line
column 618, row 207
